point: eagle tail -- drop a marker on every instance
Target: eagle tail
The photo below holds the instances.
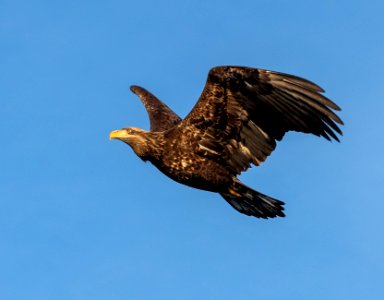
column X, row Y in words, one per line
column 252, row 203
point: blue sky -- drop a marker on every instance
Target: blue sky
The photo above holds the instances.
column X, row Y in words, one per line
column 81, row 217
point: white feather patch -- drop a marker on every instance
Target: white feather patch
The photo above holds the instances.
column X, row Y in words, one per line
column 201, row 147
column 245, row 150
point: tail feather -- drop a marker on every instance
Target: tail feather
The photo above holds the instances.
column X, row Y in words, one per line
column 252, row 203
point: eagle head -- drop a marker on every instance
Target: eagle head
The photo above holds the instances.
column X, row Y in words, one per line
column 138, row 139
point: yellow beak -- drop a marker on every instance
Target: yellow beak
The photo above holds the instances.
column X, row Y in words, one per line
column 118, row 134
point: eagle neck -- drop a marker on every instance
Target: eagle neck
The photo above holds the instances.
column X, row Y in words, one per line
column 154, row 146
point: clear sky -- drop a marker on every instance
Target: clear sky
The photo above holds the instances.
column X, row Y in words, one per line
column 81, row 217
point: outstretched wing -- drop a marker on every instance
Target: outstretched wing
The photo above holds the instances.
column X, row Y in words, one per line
column 242, row 112
column 161, row 117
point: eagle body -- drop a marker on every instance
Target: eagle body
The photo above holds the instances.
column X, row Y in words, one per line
column 240, row 115
column 189, row 169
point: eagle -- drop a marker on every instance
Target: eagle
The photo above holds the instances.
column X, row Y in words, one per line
column 240, row 116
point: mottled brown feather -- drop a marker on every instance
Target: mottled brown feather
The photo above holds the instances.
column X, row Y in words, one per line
column 240, row 115
column 242, row 112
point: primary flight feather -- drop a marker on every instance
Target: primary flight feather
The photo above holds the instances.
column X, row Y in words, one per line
column 236, row 122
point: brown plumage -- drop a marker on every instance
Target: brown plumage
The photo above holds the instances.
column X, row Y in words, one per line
column 240, row 115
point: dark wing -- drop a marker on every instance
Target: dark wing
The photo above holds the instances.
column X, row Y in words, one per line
column 242, row 112
column 161, row 117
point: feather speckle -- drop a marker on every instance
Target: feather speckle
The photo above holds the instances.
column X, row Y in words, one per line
column 240, row 115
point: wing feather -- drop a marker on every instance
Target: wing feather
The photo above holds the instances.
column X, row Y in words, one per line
column 242, row 112
column 161, row 117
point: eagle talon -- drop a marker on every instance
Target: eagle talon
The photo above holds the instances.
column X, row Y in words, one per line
column 234, row 193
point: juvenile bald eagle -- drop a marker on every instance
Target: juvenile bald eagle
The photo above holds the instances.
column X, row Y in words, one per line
column 240, row 115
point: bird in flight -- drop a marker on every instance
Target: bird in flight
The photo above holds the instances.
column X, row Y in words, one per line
column 240, row 115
